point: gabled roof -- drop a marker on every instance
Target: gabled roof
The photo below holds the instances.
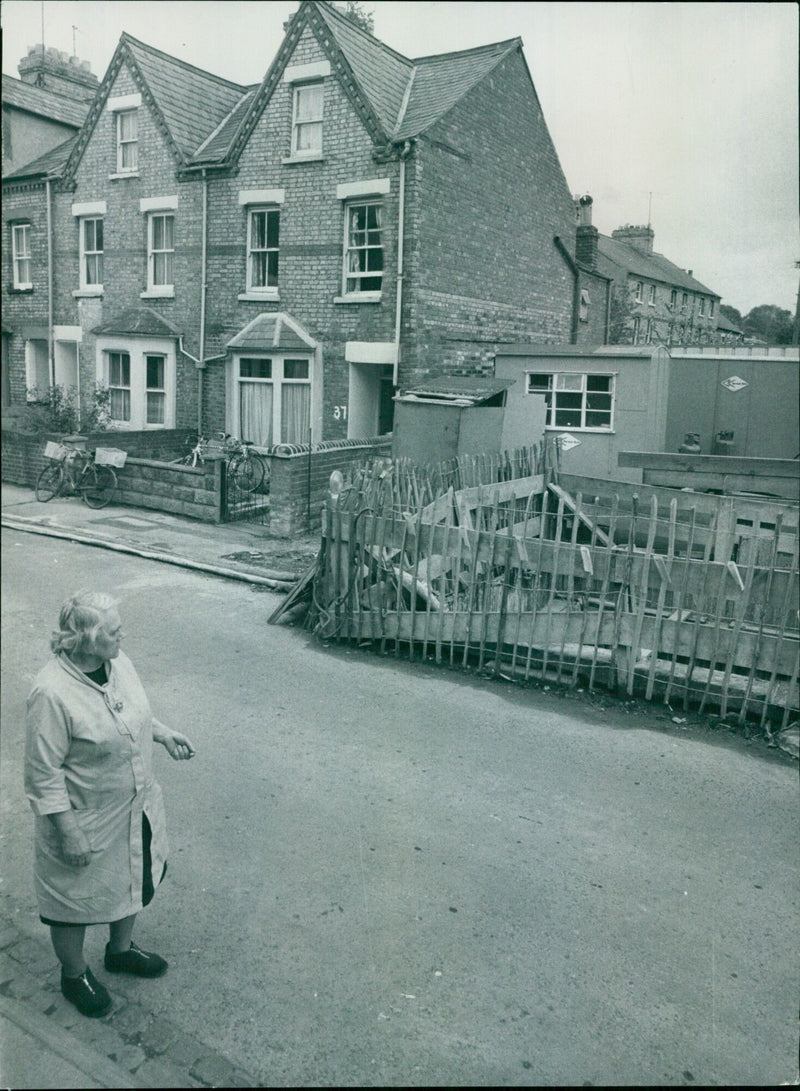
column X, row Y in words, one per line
column 383, row 74
column 51, row 162
column 724, row 323
column 138, row 321
column 192, row 102
column 441, row 81
column 43, row 102
column 653, row 266
column 188, row 102
column 396, row 98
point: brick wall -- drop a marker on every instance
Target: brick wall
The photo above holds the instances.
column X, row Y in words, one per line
column 486, row 197
column 290, row 511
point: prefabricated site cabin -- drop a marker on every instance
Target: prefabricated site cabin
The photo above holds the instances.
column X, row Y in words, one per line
column 617, row 398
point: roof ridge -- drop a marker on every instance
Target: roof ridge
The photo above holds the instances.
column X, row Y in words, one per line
column 129, row 38
column 508, row 42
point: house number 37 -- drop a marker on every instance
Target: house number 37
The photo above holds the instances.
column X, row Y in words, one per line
column 340, row 412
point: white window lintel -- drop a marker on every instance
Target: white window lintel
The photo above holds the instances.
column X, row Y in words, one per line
column 262, row 196
column 317, row 70
column 89, row 208
column 369, row 187
column 123, row 102
column 159, row 204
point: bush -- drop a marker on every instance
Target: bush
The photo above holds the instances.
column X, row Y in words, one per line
column 55, row 409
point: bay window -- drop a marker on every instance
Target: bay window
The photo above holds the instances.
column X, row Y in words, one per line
column 273, row 399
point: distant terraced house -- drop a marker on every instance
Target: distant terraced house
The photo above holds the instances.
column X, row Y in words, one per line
column 276, row 260
column 656, row 301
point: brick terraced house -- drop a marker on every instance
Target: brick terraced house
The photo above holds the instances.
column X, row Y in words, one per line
column 276, row 260
column 660, row 302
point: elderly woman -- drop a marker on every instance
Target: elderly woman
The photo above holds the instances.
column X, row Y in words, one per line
column 100, row 835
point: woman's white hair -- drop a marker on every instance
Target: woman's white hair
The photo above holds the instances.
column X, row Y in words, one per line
column 81, row 616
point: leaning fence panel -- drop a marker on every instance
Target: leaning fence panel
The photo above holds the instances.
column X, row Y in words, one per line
column 495, row 563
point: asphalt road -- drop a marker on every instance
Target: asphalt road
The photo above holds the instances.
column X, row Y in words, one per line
column 386, row 873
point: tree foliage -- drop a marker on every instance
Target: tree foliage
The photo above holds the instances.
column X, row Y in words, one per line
column 769, row 323
column 358, row 14
column 731, row 314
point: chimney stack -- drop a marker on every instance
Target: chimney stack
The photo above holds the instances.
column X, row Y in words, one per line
column 585, row 233
column 57, row 71
column 640, row 237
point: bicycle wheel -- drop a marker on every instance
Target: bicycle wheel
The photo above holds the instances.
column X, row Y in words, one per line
column 48, row 483
column 97, row 485
column 244, row 474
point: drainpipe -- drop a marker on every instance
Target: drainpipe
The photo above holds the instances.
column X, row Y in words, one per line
column 51, row 364
column 201, row 364
column 401, row 218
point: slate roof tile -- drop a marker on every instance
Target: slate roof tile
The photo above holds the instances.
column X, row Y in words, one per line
column 141, row 321
column 654, row 266
column 44, row 102
column 192, row 101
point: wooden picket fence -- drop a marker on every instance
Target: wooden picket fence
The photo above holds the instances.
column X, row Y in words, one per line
column 506, row 564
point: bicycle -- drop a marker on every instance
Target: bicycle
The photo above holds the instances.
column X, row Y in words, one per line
column 73, row 472
column 247, row 469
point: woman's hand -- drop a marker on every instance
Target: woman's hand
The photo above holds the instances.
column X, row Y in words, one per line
column 75, row 849
column 174, row 742
column 73, row 843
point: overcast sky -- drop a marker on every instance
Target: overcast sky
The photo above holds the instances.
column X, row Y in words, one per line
column 695, row 104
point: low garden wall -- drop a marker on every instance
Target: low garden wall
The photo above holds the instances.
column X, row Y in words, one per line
column 149, row 479
column 299, row 480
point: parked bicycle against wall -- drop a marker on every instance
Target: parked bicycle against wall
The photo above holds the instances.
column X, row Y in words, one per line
column 247, row 470
column 74, row 473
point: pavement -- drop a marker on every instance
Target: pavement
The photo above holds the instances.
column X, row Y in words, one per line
column 44, row 1041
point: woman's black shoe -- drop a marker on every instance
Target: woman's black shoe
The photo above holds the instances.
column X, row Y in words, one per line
column 87, row 994
column 134, row 961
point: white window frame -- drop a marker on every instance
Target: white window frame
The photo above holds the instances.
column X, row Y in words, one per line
column 637, row 324
column 573, row 382
column 651, row 301
column 277, row 380
column 298, row 124
column 111, row 357
column 167, row 288
column 125, row 143
column 21, row 259
column 711, row 308
column 161, row 390
column 349, row 276
column 639, row 291
column 85, row 255
column 684, row 303
column 266, row 290
column 138, row 349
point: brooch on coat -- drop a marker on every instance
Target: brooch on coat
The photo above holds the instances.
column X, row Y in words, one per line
column 117, row 706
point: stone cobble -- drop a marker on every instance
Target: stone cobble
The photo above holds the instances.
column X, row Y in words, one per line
column 153, row 1049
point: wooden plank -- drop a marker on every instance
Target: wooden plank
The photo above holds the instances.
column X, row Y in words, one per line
column 505, row 491
column 440, row 508
column 554, row 577
column 679, row 613
column 558, row 491
column 748, row 691
column 729, row 483
column 722, row 464
column 642, row 591
column 666, row 581
column 604, row 588
column 788, row 613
